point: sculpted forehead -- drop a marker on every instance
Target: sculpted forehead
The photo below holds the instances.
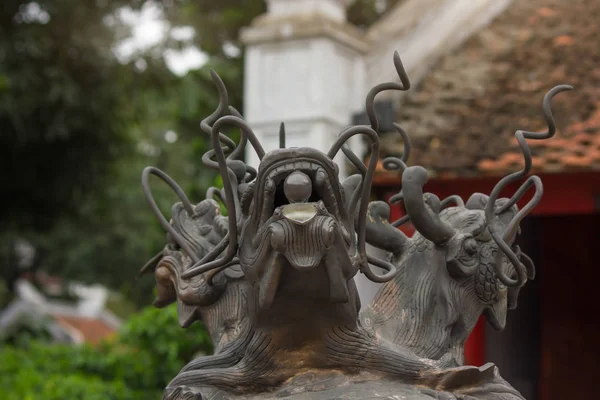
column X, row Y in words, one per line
column 473, row 220
column 464, row 220
column 294, row 153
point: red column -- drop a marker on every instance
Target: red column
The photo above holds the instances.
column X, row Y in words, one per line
column 475, row 345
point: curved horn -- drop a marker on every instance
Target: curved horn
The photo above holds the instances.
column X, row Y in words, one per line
column 232, row 207
column 161, row 218
column 513, row 297
column 352, row 188
column 403, row 86
column 364, row 202
column 513, row 292
column 385, row 265
column 228, row 243
column 393, row 161
column 380, row 233
column 211, row 274
column 214, row 193
column 250, row 174
column 477, row 201
column 400, row 221
column 501, row 238
column 547, row 111
column 529, row 265
column 398, row 163
column 510, row 230
column 522, row 135
column 238, row 122
column 389, row 163
column 432, row 200
column 426, row 222
column 150, row 265
column 434, row 203
column 372, row 115
column 238, row 152
column 236, row 170
column 456, row 199
column 394, row 164
column 218, row 249
column 355, row 160
column 230, row 199
column 282, row 136
column 362, row 169
column 527, row 262
column 206, row 123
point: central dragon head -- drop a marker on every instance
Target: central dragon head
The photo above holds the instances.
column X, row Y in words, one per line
column 292, row 221
column 296, row 216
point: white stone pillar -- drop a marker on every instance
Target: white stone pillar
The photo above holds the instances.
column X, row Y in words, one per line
column 304, row 67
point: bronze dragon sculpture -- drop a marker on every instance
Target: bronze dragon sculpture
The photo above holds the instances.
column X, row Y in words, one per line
column 460, row 263
column 273, row 280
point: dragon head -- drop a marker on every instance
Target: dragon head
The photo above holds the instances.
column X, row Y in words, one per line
column 463, row 257
column 193, row 232
column 294, row 222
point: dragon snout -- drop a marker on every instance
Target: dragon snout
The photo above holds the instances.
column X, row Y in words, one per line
column 303, row 234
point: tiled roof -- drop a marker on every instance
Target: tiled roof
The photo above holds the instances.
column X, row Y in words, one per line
column 463, row 114
column 92, row 330
column 580, row 150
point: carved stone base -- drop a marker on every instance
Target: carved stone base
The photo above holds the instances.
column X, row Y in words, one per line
column 334, row 385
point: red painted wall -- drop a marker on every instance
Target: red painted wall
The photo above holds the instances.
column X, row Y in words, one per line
column 570, row 309
column 563, row 193
column 475, row 345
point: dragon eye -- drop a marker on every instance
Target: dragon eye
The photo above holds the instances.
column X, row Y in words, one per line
column 470, row 246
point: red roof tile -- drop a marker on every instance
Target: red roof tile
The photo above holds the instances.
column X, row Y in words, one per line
column 463, row 115
column 579, row 149
column 93, row 330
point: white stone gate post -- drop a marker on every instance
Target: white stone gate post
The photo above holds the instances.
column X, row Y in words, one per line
column 305, row 67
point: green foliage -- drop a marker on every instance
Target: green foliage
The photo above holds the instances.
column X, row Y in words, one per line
column 62, row 113
column 158, row 331
column 32, row 385
column 77, row 126
column 148, row 352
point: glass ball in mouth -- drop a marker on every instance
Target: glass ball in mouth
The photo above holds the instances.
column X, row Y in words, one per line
column 297, row 187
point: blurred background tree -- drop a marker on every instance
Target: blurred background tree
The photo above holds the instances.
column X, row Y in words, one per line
column 78, row 124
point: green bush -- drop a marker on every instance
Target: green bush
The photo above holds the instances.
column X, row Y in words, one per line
column 149, row 351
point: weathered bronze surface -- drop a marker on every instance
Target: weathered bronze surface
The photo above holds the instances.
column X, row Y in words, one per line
column 272, row 280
